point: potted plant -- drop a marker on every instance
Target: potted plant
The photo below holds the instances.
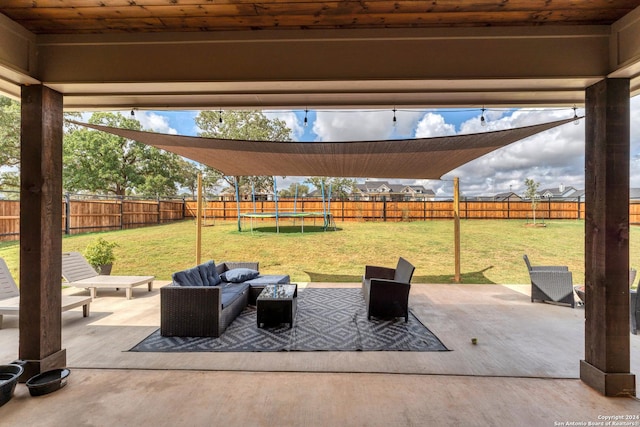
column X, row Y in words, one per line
column 100, row 255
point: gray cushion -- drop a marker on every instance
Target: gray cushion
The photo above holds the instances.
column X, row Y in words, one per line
column 210, row 276
column 190, row 277
column 230, row 292
column 238, row 275
column 268, row 279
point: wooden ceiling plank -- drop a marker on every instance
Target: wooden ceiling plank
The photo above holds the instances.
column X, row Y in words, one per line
column 69, row 16
column 233, row 20
column 439, row 5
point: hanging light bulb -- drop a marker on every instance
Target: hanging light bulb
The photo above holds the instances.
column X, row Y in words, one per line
column 395, row 120
column 305, row 117
column 483, row 121
column 133, row 113
column 576, row 121
column 220, row 117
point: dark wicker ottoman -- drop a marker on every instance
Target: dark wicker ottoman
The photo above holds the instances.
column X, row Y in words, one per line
column 277, row 304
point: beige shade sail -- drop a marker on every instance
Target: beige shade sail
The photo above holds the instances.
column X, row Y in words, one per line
column 424, row 158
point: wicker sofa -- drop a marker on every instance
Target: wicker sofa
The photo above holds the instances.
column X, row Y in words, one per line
column 202, row 301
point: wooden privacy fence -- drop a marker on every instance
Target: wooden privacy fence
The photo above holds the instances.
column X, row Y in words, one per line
column 397, row 210
column 89, row 215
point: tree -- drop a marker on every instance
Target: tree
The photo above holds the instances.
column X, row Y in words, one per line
column 210, row 178
column 300, row 189
column 9, row 143
column 100, row 162
column 531, row 193
column 340, row 187
column 243, row 125
column 10, row 119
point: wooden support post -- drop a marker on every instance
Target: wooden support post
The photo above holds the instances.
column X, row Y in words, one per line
column 606, row 367
column 40, row 343
column 456, row 227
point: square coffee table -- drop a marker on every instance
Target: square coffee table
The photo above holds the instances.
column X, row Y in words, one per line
column 277, row 304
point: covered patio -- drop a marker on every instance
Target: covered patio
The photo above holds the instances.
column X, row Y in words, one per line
column 523, row 371
column 192, row 54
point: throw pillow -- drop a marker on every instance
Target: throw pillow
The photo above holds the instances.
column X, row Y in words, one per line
column 210, row 276
column 237, row 275
column 190, row 277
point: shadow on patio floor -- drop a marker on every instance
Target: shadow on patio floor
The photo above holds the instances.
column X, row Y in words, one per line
column 475, row 277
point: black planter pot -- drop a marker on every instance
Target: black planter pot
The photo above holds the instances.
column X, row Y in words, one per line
column 105, row 269
column 9, row 375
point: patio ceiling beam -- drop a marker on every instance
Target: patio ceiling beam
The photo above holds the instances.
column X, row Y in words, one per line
column 409, row 67
column 17, row 57
column 331, row 68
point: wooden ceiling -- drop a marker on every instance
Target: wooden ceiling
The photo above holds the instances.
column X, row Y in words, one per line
column 114, row 16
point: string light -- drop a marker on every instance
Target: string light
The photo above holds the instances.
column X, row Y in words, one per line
column 394, row 116
column 133, row 113
column 220, row 117
column 576, row 121
column 483, row 121
column 305, row 117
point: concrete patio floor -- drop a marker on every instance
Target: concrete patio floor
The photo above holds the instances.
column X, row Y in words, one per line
column 524, row 371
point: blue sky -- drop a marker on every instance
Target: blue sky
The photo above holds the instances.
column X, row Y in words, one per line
column 552, row 158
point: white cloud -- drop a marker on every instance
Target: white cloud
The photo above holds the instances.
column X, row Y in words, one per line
column 155, row 122
column 552, row 157
column 290, row 119
column 364, row 125
column 433, row 125
column 353, row 125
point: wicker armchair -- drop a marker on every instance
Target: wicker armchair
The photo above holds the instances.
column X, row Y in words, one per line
column 386, row 290
column 551, row 283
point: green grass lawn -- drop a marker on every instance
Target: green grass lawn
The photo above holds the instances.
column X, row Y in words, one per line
column 491, row 250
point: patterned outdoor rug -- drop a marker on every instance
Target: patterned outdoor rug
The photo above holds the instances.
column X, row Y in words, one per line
column 327, row 319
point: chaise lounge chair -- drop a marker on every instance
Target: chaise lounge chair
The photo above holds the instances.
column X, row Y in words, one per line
column 10, row 296
column 386, row 290
column 551, row 283
column 77, row 271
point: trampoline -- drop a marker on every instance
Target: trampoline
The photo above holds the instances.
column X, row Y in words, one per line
column 327, row 217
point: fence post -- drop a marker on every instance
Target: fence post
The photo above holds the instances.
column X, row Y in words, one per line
column 549, row 208
column 184, row 207
column 509, row 207
column 466, row 205
column 384, row 209
column 67, row 214
column 121, row 212
column 578, row 213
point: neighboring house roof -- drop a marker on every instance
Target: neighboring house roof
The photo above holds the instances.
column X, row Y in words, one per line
column 387, row 187
column 560, row 191
column 578, row 194
column 505, row 196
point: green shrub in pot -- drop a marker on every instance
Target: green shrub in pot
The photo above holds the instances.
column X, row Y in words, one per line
column 100, row 255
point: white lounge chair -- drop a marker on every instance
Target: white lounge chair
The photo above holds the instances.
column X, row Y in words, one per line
column 10, row 296
column 77, row 272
